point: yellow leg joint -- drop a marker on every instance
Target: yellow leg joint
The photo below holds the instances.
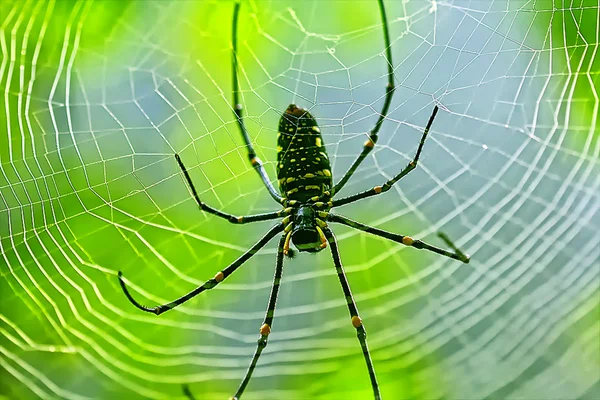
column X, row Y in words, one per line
column 286, row 245
column 219, row 276
column 356, row 321
column 407, row 240
column 377, row 189
column 287, row 210
column 265, row 330
column 322, row 236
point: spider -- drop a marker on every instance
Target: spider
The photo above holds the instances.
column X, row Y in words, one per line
column 306, row 194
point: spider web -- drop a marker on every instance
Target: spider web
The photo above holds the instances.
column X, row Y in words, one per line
column 98, row 96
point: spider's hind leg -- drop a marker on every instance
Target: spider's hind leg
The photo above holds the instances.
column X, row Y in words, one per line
column 387, row 185
column 229, row 217
column 389, row 93
column 239, row 114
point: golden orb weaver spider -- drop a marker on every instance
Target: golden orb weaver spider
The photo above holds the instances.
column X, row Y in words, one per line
column 306, row 195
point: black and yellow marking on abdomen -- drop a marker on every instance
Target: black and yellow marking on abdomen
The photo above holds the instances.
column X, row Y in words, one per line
column 303, row 168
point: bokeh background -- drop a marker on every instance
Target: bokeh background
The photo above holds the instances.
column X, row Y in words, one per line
column 98, row 96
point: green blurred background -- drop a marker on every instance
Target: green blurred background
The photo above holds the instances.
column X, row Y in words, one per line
column 97, row 98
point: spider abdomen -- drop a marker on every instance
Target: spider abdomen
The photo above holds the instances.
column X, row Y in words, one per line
column 303, row 168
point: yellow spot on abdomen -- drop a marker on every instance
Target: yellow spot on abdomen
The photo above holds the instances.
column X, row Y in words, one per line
column 318, row 142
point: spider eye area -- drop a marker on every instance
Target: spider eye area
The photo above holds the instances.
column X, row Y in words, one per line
column 306, row 238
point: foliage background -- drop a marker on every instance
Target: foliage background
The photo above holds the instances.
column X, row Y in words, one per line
column 99, row 95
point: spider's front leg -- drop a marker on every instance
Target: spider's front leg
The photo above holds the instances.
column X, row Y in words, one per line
column 361, row 333
column 265, row 328
column 209, row 284
column 457, row 254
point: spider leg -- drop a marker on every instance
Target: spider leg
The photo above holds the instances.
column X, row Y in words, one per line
column 356, row 320
column 211, row 283
column 187, row 392
column 238, row 110
column 265, row 328
column 386, row 186
column 405, row 240
column 389, row 93
column 229, row 217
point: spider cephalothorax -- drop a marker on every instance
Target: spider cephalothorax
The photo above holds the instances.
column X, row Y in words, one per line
column 305, row 230
column 306, row 194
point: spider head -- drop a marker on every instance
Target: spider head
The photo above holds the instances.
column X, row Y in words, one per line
column 306, row 239
column 306, row 235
